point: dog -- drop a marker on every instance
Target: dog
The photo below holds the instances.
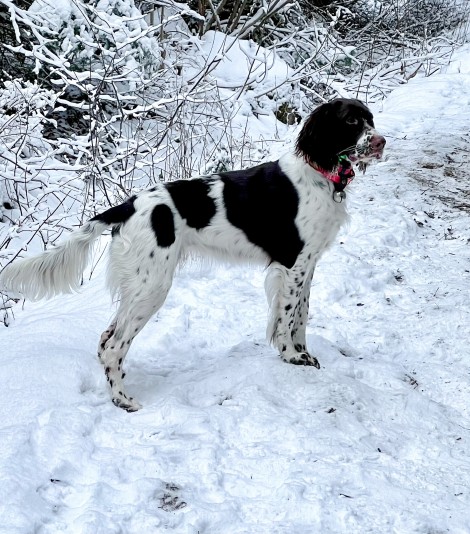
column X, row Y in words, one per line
column 283, row 214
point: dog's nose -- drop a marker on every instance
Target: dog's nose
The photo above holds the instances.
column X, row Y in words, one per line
column 377, row 143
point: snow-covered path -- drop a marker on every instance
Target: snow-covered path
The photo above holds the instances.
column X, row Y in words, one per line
column 231, row 440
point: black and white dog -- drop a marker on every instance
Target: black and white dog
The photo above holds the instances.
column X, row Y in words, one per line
column 282, row 214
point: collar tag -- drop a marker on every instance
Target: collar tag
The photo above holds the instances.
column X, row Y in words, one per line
column 339, row 196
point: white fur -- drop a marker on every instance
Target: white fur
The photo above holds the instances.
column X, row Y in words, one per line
column 55, row 271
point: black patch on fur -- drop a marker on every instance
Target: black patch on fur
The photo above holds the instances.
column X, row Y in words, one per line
column 332, row 129
column 192, row 200
column 163, row 225
column 263, row 202
column 118, row 214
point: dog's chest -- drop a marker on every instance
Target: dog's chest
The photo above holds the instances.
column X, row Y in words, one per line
column 319, row 217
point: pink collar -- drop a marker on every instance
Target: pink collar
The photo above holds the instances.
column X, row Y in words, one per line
column 341, row 177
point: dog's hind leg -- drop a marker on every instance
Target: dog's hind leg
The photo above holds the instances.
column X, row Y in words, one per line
column 115, row 349
column 133, row 314
column 285, row 290
column 142, row 275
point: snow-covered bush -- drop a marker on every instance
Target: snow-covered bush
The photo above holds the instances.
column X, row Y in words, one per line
column 40, row 196
column 35, row 197
column 393, row 41
column 13, row 65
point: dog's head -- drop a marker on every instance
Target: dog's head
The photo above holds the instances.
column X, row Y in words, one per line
column 340, row 127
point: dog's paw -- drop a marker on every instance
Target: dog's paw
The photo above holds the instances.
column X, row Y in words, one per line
column 126, row 403
column 302, row 358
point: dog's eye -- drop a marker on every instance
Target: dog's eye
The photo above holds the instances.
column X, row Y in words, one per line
column 352, row 121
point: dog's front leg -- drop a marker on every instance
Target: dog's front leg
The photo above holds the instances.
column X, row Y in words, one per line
column 286, row 290
column 301, row 315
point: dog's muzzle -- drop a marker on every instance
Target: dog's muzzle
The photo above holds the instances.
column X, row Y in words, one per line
column 370, row 146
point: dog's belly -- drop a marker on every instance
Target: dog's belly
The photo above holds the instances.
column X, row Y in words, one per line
column 223, row 241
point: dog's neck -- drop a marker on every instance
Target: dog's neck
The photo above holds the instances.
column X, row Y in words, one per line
column 341, row 176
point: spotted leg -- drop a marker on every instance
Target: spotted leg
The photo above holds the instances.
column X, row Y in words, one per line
column 132, row 316
column 104, row 338
column 143, row 290
column 301, row 316
column 284, row 289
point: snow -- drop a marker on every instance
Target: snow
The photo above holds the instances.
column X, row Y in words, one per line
column 242, row 62
column 231, row 439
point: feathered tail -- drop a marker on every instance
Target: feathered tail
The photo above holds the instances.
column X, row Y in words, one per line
column 55, row 271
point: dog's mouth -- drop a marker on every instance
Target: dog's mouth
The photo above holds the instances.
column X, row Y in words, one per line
column 365, row 157
column 361, row 161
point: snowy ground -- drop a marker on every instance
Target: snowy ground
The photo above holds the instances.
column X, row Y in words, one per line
column 232, row 440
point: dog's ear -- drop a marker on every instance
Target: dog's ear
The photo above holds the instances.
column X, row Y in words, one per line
column 316, row 141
